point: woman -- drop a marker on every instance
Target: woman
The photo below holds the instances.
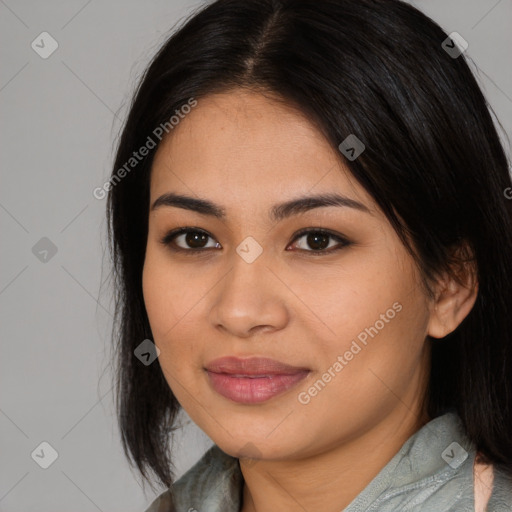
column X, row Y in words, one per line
column 312, row 239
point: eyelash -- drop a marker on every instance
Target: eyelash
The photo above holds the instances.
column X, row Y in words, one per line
column 171, row 235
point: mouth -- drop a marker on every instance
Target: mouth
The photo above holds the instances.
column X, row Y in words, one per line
column 252, row 380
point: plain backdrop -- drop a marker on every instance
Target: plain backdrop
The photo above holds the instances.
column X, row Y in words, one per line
column 60, row 117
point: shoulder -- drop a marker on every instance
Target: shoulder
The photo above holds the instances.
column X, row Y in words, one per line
column 434, row 470
column 162, row 504
column 214, row 483
column 493, row 489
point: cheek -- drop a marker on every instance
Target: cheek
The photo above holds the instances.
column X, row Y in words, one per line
column 158, row 297
column 372, row 366
column 169, row 295
column 374, row 316
column 346, row 302
column 172, row 300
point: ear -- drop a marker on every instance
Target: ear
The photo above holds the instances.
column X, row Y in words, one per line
column 455, row 295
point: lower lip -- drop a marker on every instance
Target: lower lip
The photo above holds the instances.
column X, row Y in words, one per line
column 247, row 390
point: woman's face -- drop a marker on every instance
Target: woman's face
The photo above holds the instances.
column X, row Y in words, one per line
column 350, row 318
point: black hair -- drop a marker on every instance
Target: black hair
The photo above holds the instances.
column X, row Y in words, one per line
column 433, row 162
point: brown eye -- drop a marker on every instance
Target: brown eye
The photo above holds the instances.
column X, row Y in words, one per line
column 187, row 239
column 195, row 239
column 318, row 241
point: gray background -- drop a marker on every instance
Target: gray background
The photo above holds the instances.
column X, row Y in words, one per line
column 60, row 117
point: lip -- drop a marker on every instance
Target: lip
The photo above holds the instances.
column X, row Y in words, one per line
column 252, row 380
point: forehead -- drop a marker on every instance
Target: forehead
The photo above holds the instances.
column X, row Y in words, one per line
column 245, row 145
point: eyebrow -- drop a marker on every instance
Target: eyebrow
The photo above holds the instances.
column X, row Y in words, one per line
column 277, row 213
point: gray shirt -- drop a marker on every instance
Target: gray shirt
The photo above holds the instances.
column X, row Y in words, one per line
column 432, row 472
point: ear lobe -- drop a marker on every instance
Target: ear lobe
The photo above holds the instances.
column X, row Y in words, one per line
column 455, row 297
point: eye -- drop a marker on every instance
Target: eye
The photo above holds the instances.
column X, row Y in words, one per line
column 318, row 240
column 194, row 240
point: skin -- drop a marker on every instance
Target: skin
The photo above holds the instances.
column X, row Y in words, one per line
column 246, row 152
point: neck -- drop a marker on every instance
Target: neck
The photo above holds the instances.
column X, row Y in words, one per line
column 331, row 480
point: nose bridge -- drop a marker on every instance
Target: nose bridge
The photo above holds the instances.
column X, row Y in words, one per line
column 249, row 295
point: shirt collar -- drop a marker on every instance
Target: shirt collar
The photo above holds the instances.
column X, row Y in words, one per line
column 435, row 451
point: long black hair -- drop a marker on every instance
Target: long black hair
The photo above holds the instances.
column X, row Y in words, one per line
column 377, row 69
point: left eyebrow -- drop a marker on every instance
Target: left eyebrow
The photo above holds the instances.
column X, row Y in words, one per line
column 304, row 204
column 277, row 213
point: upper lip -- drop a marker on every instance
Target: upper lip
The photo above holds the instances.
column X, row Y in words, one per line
column 252, row 366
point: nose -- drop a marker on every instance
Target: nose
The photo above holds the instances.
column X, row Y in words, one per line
column 250, row 299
